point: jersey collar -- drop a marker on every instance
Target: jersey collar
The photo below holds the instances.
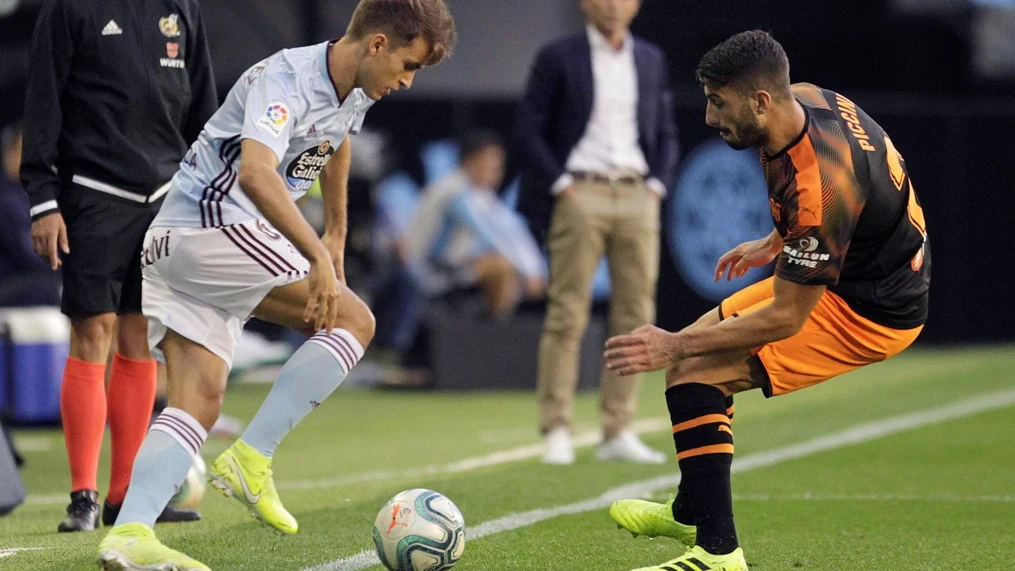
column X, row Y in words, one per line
column 800, row 137
column 326, row 69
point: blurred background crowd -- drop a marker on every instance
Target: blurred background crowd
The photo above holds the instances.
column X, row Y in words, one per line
column 435, row 171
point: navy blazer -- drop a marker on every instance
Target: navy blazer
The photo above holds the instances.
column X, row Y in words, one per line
column 555, row 110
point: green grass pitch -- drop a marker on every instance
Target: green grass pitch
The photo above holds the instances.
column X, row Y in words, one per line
column 937, row 497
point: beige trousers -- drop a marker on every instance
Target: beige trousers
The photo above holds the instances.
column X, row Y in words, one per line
column 622, row 222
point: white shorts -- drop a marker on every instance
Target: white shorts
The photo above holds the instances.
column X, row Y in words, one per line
column 203, row 283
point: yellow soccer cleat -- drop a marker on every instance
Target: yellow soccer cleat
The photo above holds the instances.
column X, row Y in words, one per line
column 134, row 547
column 245, row 474
column 697, row 559
column 651, row 519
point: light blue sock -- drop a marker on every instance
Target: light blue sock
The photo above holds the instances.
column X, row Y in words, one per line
column 161, row 465
column 314, row 371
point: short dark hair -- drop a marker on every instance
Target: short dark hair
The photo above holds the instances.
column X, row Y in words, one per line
column 478, row 140
column 750, row 60
column 405, row 20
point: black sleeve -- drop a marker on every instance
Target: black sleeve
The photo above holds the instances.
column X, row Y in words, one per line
column 533, row 117
column 50, row 62
column 669, row 147
column 203, row 98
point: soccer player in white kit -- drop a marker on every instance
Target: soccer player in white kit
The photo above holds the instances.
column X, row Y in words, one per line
column 229, row 243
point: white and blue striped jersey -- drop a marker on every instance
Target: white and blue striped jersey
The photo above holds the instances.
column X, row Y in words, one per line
column 286, row 102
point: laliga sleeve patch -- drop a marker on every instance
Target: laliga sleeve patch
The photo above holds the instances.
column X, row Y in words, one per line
column 274, row 119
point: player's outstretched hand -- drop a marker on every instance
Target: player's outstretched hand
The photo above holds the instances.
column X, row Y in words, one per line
column 647, row 348
column 322, row 305
column 737, row 261
column 48, row 234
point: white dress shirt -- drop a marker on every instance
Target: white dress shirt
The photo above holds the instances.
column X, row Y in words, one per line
column 610, row 141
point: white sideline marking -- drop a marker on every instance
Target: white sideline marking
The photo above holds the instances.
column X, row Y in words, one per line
column 812, row 497
column 46, row 499
column 33, row 443
column 855, row 435
column 10, row 552
column 581, row 440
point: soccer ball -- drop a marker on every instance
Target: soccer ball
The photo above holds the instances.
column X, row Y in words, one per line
column 192, row 489
column 419, row 530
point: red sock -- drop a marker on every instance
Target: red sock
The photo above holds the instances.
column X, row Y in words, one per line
column 83, row 411
column 130, row 397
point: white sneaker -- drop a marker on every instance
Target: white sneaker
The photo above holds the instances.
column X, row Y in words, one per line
column 559, row 448
column 227, row 427
column 627, row 447
column 253, row 350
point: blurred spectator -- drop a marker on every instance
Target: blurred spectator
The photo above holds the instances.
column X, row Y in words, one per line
column 25, row 279
column 464, row 241
column 596, row 133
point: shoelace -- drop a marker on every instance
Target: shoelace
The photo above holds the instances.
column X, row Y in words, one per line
column 79, row 506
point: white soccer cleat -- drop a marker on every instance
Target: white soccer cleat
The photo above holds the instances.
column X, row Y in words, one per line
column 627, row 447
column 559, row 447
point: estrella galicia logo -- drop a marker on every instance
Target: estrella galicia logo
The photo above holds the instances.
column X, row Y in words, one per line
column 719, row 201
column 305, row 168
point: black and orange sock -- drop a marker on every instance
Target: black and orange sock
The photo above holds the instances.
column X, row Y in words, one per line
column 704, row 442
column 682, row 511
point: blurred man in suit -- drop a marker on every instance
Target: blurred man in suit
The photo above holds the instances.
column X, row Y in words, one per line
column 596, row 135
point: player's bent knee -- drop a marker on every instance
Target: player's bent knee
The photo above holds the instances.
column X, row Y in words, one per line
column 360, row 321
column 694, row 370
column 369, row 327
column 727, row 387
column 729, row 377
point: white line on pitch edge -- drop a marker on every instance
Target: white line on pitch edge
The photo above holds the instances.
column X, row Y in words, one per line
column 582, row 439
column 931, row 499
column 12, row 551
column 855, row 435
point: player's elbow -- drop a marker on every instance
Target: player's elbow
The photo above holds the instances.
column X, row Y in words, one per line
column 249, row 178
column 787, row 323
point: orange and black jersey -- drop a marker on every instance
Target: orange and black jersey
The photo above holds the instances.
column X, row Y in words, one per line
column 842, row 200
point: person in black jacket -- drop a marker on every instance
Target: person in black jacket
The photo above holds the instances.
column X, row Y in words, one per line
column 118, row 90
column 596, row 135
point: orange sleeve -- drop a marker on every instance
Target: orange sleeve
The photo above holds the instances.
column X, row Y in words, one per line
column 819, row 218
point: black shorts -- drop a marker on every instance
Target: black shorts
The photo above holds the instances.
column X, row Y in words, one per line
column 102, row 273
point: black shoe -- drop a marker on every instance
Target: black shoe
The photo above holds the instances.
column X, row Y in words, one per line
column 82, row 513
column 168, row 515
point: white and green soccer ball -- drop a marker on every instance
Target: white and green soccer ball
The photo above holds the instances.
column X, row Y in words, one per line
column 419, row 530
column 189, row 495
